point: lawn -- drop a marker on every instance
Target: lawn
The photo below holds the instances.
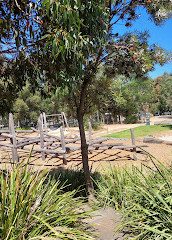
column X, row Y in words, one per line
column 141, row 131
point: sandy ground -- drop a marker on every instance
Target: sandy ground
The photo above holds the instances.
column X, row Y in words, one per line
column 99, row 159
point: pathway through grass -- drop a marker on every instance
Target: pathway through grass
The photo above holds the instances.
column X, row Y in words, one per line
column 141, row 131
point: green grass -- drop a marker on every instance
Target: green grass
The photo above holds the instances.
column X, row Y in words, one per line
column 141, row 131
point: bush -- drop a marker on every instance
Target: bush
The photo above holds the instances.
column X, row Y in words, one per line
column 131, row 119
column 144, row 196
column 33, row 206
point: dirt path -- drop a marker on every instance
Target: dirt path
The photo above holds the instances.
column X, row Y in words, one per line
column 105, row 222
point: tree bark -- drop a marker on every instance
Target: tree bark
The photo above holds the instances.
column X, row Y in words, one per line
column 84, row 152
column 84, row 146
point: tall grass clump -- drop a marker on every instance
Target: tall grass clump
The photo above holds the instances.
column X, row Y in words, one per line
column 144, row 196
column 33, row 206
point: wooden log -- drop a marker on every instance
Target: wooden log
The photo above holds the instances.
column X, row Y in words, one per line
column 13, row 138
column 6, row 135
column 35, row 130
column 48, row 144
column 63, row 145
column 6, row 145
column 20, row 145
column 74, row 136
column 52, row 136
column 107, row 144
column 29, row 140
column 41, row 135
column 45, row 122
column 59, row 152
column 72, row 148
column 24, row 131
column 73, row 141
column 123, row 147
column 3, row 139
column 134, row 143
column 65, row 119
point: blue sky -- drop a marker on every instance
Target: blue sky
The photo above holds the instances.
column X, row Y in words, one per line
column 160, row 35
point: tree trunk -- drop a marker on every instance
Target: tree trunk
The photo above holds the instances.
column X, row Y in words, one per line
column 84, row 152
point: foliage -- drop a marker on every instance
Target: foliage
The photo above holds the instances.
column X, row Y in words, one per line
column 29, row 104
column 33, row 206
column 131, row 119
column 163, row 92
column 144, row 196
column 141, row 131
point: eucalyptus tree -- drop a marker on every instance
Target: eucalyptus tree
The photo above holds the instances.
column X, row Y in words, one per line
column 77, row 53
column 69, row 40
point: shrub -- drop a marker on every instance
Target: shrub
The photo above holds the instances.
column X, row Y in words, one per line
column 131, row 119
column 144, row 196
column 33, row 206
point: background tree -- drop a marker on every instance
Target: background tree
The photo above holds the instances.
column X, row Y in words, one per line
column 163, row 92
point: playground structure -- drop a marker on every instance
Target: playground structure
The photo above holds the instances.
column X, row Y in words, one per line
column 48, row 144
column 61, row 117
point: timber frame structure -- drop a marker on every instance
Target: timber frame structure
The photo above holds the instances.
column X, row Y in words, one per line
column 55, row 145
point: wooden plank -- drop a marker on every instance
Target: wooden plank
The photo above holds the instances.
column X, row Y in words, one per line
column 13, row 138
column 63, row 145
column 41, row 135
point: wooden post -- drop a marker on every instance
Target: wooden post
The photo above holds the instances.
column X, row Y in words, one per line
column 133, row 143
column 98, row 117
column 40, row 120
column 65, row 119
column 63, row 145
column 45, row 122
column 62, row 117
column 13, row 138
column 90, row 133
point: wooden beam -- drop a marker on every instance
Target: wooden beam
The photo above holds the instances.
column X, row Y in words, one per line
column 40, row 120
column 6, row 145
column 13, row 138
column 59, row 152
column 134, row 143
column 45, row 122
column 63, row 145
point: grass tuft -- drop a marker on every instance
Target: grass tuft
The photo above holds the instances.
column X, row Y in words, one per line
column 34, row 206
column 144, row 196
